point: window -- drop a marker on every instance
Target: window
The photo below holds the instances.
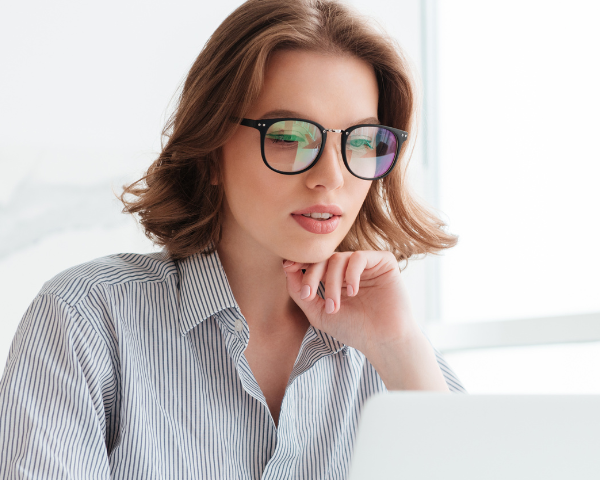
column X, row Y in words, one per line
column 512, row 162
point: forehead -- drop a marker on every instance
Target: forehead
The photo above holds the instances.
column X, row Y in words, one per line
column 334, row 90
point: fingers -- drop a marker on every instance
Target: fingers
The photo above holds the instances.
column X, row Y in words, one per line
column 356, row 266
column 310, row 280
column 342, row 273
column 289, row 266
column 334, row 279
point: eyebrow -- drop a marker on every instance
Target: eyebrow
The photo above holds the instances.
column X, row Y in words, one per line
column 290, row 113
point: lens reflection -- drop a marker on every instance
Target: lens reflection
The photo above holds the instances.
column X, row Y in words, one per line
column 291, row 145
column 370, row 151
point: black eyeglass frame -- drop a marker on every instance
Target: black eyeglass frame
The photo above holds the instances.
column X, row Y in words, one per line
column 263, row 125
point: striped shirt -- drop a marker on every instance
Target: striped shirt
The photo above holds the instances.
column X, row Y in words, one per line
column 132, row 367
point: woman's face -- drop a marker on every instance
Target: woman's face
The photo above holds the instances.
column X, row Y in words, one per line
column 334, row 91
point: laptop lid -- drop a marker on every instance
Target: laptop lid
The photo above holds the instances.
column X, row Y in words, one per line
column 428, row 435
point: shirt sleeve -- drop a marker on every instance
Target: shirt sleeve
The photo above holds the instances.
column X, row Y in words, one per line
column 56, row 396
column 454, row 384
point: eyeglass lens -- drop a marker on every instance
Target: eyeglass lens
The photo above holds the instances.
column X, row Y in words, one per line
column 292, row 145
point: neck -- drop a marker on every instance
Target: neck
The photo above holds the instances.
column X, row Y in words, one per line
column 258, row 283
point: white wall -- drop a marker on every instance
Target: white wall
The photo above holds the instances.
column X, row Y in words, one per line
column 519, row 167
column 519, row 158
column 84, row 93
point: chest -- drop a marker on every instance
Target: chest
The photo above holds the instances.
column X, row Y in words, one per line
column 190, row 394
column 271, row 360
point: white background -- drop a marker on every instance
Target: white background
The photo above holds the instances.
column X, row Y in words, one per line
column 519, row 157
column 520, row 168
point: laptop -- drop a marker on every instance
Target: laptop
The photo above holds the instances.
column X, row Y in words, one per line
column 427, row 435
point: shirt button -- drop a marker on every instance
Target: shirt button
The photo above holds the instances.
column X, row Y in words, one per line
column 239, row 326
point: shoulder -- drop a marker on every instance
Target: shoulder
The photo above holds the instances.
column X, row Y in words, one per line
column 75, row 283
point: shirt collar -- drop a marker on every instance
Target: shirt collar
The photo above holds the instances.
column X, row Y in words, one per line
column 205, row 291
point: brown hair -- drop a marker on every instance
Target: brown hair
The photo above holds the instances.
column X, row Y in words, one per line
column 176, row 203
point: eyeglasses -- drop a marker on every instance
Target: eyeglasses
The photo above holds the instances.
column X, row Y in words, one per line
column 294, row 145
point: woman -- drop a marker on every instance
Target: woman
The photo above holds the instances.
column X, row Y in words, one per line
column 247, row 347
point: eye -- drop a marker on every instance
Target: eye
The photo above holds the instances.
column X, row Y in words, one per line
column 285, row 138
column 361, row 142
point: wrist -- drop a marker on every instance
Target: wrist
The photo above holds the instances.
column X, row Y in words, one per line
column 408, row 363
column 404, row 339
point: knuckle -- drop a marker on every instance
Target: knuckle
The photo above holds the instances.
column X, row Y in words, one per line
column 336, row 258
column 359, row 255
column 356, row 258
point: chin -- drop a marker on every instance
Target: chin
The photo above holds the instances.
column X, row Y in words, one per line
column 311, row 252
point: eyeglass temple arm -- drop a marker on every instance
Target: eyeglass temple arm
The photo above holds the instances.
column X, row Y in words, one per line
column 250, row 123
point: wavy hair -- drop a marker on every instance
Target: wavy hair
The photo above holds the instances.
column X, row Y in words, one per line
column 176, row 204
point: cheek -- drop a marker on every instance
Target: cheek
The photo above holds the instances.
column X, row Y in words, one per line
column 360, row 189
column 239, row 166
column 250, row 187
column 272, row 192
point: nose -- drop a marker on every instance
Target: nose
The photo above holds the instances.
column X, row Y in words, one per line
column 328, row 172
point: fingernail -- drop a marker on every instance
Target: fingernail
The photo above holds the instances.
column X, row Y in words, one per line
column 287, row 263
column 329, row 305
column 350, row 290
column 305, row 292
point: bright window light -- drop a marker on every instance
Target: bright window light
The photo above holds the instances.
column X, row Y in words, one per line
column 519, row 158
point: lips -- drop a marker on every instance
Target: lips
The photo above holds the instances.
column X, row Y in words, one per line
column 317, row 226
column 332, row 209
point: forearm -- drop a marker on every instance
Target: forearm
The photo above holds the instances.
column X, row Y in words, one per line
column 409, row 365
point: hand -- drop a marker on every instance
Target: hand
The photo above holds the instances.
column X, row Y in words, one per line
column 368, row 301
